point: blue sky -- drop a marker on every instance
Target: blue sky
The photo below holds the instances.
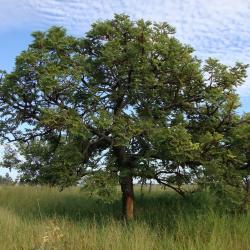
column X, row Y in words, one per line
column 215, row 28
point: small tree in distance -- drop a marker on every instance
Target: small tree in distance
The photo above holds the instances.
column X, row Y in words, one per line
column 6, row 180
column 127, row 98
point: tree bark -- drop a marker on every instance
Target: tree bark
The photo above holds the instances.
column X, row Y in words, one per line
column 127, row 189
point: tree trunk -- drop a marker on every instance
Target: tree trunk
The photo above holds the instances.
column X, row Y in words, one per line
column 127, row 189
column 150, row 186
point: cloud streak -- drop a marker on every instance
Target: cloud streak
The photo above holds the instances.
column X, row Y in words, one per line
column 214, row 28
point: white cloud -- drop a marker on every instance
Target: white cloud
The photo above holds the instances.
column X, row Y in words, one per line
column 218, row 28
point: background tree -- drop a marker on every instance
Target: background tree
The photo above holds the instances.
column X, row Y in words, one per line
column 6, row 180
column 128, row 98
column 238, row 141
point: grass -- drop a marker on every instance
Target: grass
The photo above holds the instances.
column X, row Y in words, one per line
column 43, row 218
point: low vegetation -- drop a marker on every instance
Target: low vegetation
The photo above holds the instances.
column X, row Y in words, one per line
column 44, row 218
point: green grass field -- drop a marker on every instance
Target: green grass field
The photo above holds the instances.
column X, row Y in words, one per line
column 44, row 218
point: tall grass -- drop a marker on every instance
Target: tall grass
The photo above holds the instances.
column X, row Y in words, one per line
column 44, row 218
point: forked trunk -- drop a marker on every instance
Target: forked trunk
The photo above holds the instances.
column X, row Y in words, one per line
column 127, row 189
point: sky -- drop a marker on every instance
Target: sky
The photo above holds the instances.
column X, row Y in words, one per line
column 214, row 28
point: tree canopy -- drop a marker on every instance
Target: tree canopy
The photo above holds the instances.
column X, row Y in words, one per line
column 129, row 98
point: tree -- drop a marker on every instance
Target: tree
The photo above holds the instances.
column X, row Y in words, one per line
column 128, row 98
column 6, row 180
column 43, row 161
column 238, row 140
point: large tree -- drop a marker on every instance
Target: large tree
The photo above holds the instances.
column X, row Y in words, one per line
column 128, row 98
